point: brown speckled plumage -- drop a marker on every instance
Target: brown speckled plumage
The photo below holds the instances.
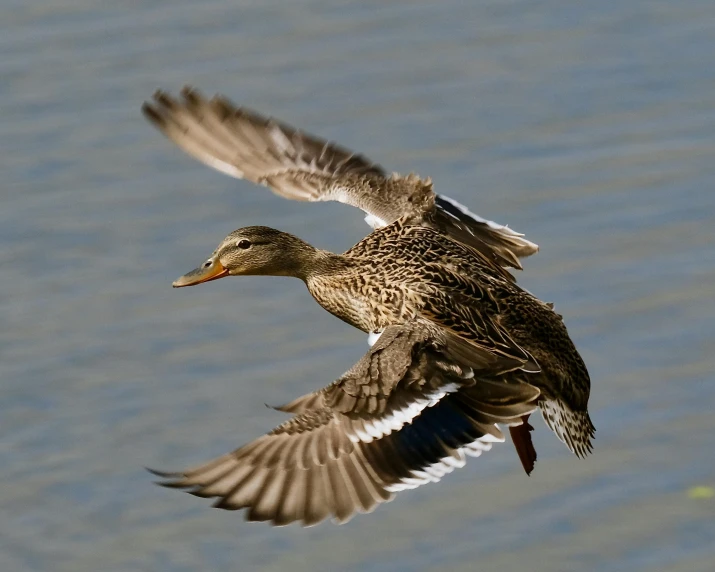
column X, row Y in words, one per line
column 462, row 349
column 299, row 166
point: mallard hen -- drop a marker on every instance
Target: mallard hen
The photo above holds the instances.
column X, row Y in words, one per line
column 459, row 349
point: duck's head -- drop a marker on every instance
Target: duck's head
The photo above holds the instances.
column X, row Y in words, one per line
column 254, row 250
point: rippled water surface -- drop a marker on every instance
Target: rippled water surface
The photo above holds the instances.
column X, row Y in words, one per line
column 588, row 126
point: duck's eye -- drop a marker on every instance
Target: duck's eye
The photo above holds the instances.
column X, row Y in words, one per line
column 244, row 244
column 208, row 263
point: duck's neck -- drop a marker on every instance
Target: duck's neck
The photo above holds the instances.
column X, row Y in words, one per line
column 306, row 262
column 322, row 264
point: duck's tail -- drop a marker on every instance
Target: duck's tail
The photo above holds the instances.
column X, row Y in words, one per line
column 574, row 428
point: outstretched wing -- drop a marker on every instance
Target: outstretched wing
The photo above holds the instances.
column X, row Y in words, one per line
column 302, row 167
column 246, row 145
column 405, row 415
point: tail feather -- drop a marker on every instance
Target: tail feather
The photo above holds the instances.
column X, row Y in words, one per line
column 574, row 428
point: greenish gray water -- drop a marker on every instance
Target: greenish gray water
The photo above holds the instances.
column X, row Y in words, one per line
column 588, row 126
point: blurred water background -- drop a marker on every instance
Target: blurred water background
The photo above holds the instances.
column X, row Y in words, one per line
column 588, row 126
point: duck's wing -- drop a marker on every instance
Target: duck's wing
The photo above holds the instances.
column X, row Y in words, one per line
column 246, row 145
column 457, row 306
column 302, row 167
column 498, row 242
column 405, row 415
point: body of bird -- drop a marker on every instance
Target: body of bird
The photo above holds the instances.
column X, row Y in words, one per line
column 456, row 356
column 457, row 347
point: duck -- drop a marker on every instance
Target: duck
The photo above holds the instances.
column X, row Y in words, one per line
column 244, row 144
column 459, row 349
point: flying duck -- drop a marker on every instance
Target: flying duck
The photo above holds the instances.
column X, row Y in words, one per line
column 458, row 349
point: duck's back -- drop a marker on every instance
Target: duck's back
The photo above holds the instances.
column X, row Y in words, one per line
column 407, row 251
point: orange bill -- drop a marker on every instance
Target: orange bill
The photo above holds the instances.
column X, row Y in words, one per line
column 210, row 270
